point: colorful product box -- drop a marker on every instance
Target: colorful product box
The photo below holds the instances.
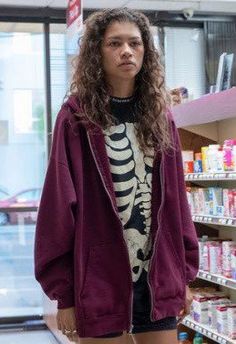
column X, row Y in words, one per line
column 227, row 247
column 200, row 308
column 221, row 319
column 215, row 257
column 226, row 202
column 216, row 199
column 212, row 305
column 231, row 316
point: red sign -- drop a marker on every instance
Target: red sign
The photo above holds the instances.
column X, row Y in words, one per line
column 73, row 11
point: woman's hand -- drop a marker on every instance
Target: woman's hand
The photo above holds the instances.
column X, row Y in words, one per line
column 188, row 301
column 67, row 324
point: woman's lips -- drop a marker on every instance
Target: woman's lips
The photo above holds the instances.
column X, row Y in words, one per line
column 127, row 65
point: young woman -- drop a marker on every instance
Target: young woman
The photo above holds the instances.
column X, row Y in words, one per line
column 115, row 244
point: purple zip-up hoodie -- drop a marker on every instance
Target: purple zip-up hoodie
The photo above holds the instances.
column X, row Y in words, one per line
column 81, row 258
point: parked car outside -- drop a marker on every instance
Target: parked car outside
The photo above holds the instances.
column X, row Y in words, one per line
column 25, row 198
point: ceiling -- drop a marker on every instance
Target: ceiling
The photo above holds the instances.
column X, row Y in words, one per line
column 207, row 6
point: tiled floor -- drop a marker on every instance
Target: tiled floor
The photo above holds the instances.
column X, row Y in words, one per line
column 27, row 337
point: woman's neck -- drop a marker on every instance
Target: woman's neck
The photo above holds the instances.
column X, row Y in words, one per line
column 122, row 88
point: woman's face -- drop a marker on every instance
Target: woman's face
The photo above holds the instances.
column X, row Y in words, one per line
column 122, row 51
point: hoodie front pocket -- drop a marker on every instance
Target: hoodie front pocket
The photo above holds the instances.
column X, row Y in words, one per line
column 169, row 269
column 105, row 289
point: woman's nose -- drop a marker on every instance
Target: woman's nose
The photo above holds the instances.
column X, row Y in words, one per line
column 126, row 50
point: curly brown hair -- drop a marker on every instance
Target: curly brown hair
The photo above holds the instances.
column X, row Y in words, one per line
column 90, row 86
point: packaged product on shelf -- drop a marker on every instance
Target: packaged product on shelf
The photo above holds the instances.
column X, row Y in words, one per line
column 201, row 243
column 234, row 212
column 216, row 200
column 198, row 338
column 215, row 257
column 231, row 316
column 204, row 159
column 227, row 247
column 183, row 338
column 205, row 257
column 228, row 154
column 198, row 163
column 212, row 304
column 201, row 198
column 208, row 202
column 212, row 154
column 226, row 202
column 196, row 201
column 231, row 203
column 233, row 263
column 221, row 319
column 188, row 161
column 220, row 160
column 234, row 157
column 190, row 199
column 199, row 308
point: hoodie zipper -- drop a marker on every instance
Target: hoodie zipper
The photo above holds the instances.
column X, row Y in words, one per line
column 162, row 180
column 117, row 215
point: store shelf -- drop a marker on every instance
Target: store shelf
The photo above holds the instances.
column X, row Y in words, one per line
column 211, row 176
column 215, row 220
column 207, row 109
column 207, row 331
column 218, row 279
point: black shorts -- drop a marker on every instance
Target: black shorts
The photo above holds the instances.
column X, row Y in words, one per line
column 141, row 312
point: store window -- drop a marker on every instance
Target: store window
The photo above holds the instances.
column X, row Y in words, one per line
column 185, row 60
column 23, row 162
column 61, row 56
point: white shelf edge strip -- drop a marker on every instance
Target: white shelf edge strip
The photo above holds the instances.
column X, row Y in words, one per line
column 207, row 331
column 218, row 279
column 211, row 176
column 215, row 220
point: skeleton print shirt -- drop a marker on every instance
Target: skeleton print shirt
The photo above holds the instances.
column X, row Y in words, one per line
column 131, row 173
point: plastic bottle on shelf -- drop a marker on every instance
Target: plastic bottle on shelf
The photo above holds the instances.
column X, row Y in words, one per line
column 198, row 339
column 183, row 338
column 212, row 154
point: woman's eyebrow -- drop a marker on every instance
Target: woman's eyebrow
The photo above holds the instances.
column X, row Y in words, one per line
column 120, row 37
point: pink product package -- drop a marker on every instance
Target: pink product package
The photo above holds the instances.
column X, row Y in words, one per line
column 206, row 257
column 196, row 201
column 226, row 202
column 212, row 305
column 221, row 319
column 234, row 208
column 227, row 247
column 199, row 308
column 233, row 263
column 231, row 203
column 201, row 199
column 215, row 257
column 231, row 319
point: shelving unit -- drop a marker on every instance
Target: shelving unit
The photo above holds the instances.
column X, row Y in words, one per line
column 217, row 279
column 220, row 176
column 215, row 220
column 210, row 119
column 207, row 331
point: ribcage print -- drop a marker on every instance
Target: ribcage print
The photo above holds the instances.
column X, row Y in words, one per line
column 132, row 178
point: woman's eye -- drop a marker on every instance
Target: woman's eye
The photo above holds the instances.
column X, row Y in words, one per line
column 114, row 44
column 134, row 44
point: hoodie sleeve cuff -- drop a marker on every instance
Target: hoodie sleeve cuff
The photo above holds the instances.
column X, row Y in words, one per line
column 66, row 301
